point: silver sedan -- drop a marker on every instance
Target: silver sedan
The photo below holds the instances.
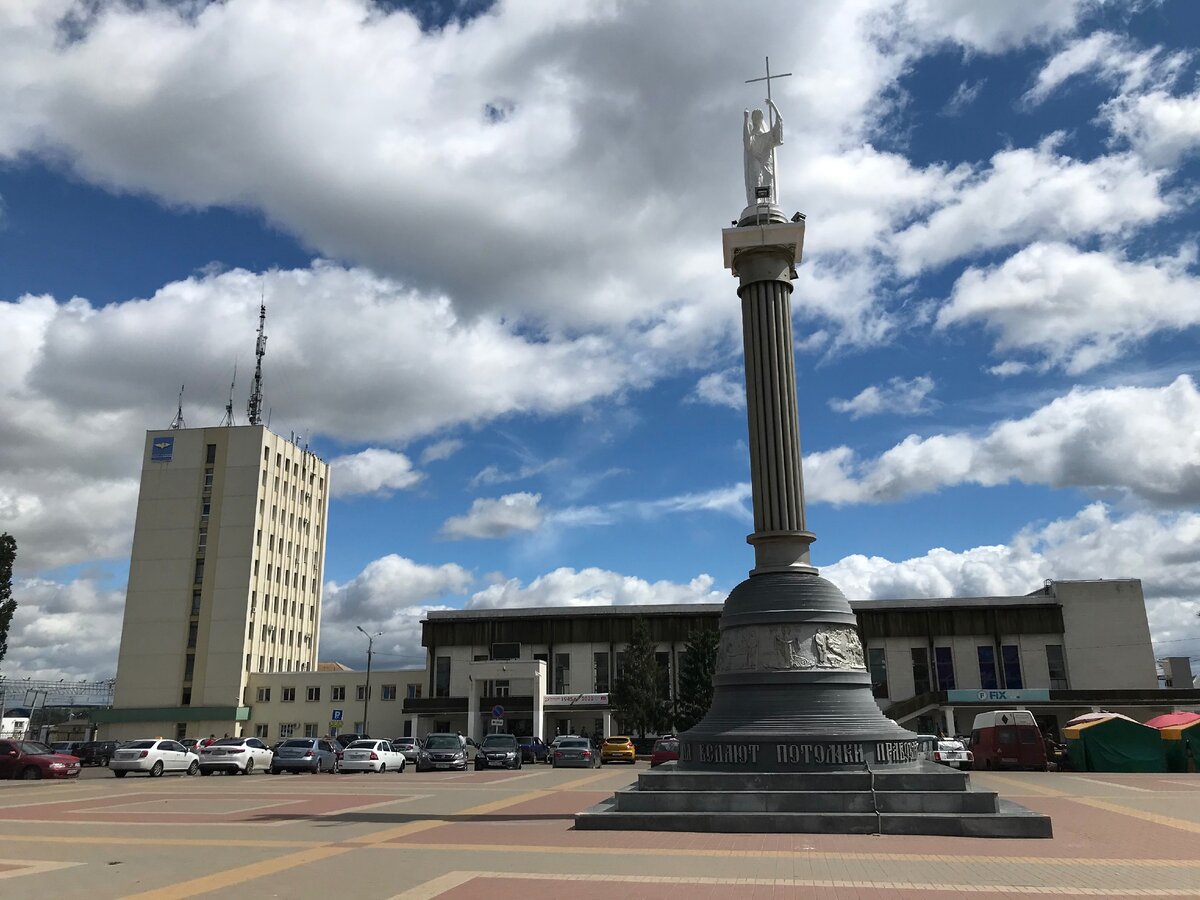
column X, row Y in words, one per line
column 574, row 752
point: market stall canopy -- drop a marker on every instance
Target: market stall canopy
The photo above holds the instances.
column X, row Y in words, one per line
column 1173, row 720
column 1096, row 717
column 1115, row 744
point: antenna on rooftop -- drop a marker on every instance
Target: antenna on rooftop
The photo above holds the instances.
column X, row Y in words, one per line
column 178, row 422
column 254, row 409
column 228, row 422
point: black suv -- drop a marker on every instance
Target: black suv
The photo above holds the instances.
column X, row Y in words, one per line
column 96, row 753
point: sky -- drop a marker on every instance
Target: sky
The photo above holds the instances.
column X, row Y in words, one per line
column 489, row 241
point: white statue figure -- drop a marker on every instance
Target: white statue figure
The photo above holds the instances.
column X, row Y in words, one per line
column 759, row 143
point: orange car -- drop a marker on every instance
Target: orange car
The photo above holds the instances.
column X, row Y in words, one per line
column 617, row 749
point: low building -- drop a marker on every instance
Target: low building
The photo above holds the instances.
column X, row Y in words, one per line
column 1067, row 648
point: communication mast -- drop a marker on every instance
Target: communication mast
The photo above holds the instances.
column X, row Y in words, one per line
column 228, row 422
column 254, row 409
column 177, row 422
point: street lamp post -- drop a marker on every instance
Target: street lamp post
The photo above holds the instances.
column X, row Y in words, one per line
column 367, row 688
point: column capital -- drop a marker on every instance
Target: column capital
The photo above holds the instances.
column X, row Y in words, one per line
column 755, row 252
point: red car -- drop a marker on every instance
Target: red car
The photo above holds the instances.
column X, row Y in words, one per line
column 666, row 748
column 31, row 761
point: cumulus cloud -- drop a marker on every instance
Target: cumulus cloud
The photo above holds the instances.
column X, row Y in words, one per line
column 497, row 518
column 47, row 635
column 727, row 388
column 372, row 471
column 1035, row 194
column 592, row 587
column 1073, row 308
column 991, row 28
column 897, row 396
column 1109, row 57
column 440, row 450
column 1135, row 441
column 1161, row 127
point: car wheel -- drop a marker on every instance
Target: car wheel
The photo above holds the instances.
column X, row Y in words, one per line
column 249, row 770
column 206, row 771
column 156, row 770
column 31, row 773
column 382, row 768
column 403, row 763
column 104, row 762
column 553, row 764
column 119, row 773
column 193, row 768
column 274, row 771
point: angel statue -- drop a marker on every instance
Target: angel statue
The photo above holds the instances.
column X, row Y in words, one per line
column 759, row 143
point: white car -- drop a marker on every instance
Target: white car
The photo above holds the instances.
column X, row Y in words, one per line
column 241, row 755
column 954, row 754
column 153, row 757
column 372, row 756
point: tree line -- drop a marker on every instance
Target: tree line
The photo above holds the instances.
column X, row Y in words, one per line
column 641, row 697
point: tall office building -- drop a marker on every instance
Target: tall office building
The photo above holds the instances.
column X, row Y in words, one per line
column 225, row 578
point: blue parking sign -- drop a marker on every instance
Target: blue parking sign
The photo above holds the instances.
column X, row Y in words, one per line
column 337, row 715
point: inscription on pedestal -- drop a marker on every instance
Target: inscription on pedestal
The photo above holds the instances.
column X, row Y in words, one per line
column 798, row 756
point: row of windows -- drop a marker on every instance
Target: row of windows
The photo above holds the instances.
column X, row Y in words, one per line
column 337, row 692
column 284, row 664
column 306, row 729
column 292, row 467
column 606, row 669
column 1006, row 675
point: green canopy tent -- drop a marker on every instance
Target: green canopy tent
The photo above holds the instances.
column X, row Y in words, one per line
column 1181, row 745
column 1115, row 744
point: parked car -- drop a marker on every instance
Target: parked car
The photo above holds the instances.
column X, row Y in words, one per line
column 97, row 753
column 192, row 744
column 372, row 756
column 666, row 749
column 617, row 748
column 70, row 748
column 153, row 757
column 576, row 753
column 534, row 750
column 442, row 750
column 235, row 755
column 304, row 755
column 951, row 753
column 409, row 746
column 499, row 750
column 345, row 740
column 1008, row 739
column 32, row 760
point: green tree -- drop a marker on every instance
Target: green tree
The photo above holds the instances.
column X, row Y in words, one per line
column 636, row 699
column 8, row 606
column 695, row 677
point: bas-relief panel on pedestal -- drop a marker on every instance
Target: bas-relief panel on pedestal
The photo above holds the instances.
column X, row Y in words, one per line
column 789, row 648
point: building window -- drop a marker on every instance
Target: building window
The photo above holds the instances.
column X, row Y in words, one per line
column 202, row 540
column 195, row 603
column 208, row 481
column 199, row 577
column 1010, row 655
column 414, row 692
column 287, row 695
column 920, row 670
column 337, row 692
column 877, row 662
column 264, row 693
column 210, row 456
column 361, row 693
column 500, row 689
column 287, row 729
column 562, row 673
column 618, row 665
column 193, row 628
column 943, row 660
column 189, row 666
column 387, row 692
column 600, row 672
column 205, row 510
column 313, row 694
column 310, row 729
column 441, row 677
column 987, row 668
column 260, row 731
column 663, row 659
column 186, row 698
column 1057, row 664
column 262, row 663
column 247, row 662
column 506, row 651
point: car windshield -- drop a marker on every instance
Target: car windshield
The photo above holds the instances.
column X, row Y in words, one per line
column 140, row 745
column 298, row 743
column 443, row 742
column 362, row 745
column 574, row 744
column 499, row 741
column 403, row 742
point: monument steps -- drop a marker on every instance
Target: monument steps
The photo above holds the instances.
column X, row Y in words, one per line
column 917, row 777
column 633, row 800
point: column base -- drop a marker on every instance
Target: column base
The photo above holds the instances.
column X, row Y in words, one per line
column 782, row 551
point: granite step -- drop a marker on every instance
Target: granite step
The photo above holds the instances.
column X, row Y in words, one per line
column 920, row 777
column 638, row 800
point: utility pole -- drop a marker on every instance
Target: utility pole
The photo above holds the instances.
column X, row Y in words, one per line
column 367, row 689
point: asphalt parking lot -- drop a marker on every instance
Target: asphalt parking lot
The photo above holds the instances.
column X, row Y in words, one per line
column 509, row 833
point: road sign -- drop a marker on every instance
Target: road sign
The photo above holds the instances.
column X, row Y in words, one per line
column 497, row 712
column 337, row 715
column 497, row 723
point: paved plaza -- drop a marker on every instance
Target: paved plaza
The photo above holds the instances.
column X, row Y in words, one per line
column 501, row 834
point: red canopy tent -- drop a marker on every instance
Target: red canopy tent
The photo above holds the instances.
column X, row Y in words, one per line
column 1173, row 720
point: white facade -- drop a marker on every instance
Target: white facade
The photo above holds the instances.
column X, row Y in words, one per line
column 225, row 577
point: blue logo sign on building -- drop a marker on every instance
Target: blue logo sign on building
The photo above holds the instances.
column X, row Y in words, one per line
column 161, row 449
